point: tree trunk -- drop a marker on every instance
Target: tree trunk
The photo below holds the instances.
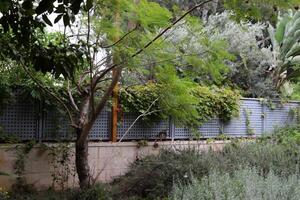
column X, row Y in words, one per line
column 81, row 161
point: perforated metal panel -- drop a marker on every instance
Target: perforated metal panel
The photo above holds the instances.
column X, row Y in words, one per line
column 56, row 126
column 251, row 108
column 24, row 120
column 101, row 129
column 141, row 130
column 20, row 119
column 208, row 129
column 278, row 116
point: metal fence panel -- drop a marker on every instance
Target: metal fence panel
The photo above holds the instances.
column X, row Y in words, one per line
column 209, row 129
column 56, row 126
column 278, row 116
column 142, row 129
column 20, row 119
column 102, row 126
column 250, row 109
column 24, row 119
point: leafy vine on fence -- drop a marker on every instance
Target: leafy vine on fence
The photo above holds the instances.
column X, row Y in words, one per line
column 249, row 129
column 208, row 102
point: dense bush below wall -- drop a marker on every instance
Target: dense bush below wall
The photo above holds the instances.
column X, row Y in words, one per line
column 243, row 184
column 154, row 176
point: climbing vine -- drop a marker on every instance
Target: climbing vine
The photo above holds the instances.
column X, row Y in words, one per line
column 21, row 152
column 63, row 168
column 249, row 129
column 208, row 102
column 294, row 113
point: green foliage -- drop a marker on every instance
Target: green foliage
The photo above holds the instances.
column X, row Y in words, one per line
column 3, row 194
column 250, row 70
column 96, row 192
column 8, row 138
column 61, row 162
column 289, row 136
column 46, row 53
column 295, row 95
column 217, row 102
column 18, row 16
column 153, row 176
column 246, row 183
column 175, row 97
column 250, row 130
column 259, row 10
column 22, row 151
column 186, row 47
column 187, row 103
column 286, row 48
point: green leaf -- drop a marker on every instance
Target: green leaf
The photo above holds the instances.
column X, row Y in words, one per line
column 58, row 18
column 4, row 5
column 280, row 30
column 75, row 6
column 89, row 4
column 46, row 20
column 43, row 6
column 66, row 20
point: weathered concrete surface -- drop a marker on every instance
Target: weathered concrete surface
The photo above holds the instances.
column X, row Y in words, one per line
column 107, row 160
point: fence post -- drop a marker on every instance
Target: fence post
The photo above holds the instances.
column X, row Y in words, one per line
column 40, row 121
column 171, row 129
column 263, row 118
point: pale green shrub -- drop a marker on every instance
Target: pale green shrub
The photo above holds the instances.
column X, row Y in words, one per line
column 243, row 184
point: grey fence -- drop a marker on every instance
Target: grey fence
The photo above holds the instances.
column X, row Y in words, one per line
column 28, row 120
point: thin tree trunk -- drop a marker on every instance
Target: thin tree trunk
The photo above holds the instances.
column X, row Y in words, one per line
column 81, row 161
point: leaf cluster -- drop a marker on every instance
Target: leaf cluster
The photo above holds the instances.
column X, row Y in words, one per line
column 188, row 104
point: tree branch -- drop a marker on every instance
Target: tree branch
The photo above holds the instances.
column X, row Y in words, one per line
column 169, row 27
column 141, row 115
column 122, row 38
column 102, row 103
column 71, row 97
column 49, row 92
column 151, row 42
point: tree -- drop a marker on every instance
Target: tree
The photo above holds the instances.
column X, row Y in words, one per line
column 125, row 32
column 91, row 78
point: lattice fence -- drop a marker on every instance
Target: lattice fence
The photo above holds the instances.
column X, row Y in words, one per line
column 28, row 120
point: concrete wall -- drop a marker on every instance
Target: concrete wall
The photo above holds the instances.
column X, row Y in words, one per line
column 107, row 161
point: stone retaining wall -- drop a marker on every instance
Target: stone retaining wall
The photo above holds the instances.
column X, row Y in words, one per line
column 107, row 160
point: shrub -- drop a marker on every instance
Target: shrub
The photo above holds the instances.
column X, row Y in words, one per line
column 289, row 135
column 97, row 192
column 154, row 176
column 243, row 184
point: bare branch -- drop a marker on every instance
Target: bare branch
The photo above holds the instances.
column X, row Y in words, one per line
column 147, row 112
column 71, row 97
column 122, row 38
column 169, row 27
column 90, row 63
column 48, row 91
column 76, row 35
column 151, row 42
